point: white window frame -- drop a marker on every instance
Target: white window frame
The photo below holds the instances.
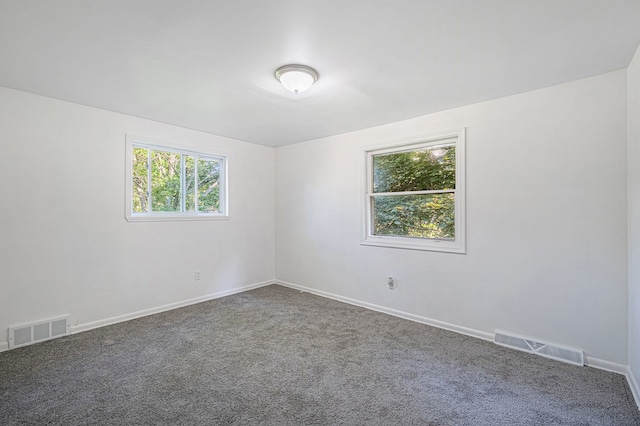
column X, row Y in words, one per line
column 458, row 245
column 141, row 142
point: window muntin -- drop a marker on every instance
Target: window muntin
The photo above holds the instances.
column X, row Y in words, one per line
column 415, row 195
column 166, row 183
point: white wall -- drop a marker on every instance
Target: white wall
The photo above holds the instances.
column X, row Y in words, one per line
column 66, row 247
column 633, row 122
column 546, row 215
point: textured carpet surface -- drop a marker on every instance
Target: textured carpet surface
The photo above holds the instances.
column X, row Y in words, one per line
column 276, row 356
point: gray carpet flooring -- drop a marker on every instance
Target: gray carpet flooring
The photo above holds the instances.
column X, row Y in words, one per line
column 277, row 356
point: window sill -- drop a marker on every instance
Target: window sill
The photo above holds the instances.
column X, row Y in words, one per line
column 415, row 244
column 174, row 218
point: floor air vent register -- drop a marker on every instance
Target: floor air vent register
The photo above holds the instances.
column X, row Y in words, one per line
column 547, row 350
column 28, row 334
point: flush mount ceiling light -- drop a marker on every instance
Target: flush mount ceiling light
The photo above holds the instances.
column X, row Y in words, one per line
column 296, row 78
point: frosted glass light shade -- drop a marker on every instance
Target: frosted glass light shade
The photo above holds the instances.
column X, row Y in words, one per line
column 296, row 81
column 296, row 78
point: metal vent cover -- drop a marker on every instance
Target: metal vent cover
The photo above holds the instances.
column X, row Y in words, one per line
column 547, row 350
column 28, row 334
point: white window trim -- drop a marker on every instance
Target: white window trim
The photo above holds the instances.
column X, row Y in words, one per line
column 132, row 141
column 450, row 246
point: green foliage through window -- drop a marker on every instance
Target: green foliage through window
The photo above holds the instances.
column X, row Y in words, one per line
column 420, row 216
column 414, row 193
column 168, row 181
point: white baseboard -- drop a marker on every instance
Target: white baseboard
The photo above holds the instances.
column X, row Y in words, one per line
column 601, row 364
column 633, row 384
column 589, row 361
column 417, row 318
column 4, row 346
column 143, row 313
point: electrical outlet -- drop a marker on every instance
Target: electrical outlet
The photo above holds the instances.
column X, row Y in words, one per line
column 197, row 275
column 391, row 284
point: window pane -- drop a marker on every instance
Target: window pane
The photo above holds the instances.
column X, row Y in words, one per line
column 139, row 181
column 190, row 183
column 165, row 181
column 422, row 216
column 423, row 169
column 209, row 185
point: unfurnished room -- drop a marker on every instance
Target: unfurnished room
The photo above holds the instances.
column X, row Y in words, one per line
column 411, row 212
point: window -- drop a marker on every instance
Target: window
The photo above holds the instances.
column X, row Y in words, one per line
column 414, row 195
column 165, row 183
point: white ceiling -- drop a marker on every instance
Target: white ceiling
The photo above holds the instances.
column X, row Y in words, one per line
column 208, row 65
